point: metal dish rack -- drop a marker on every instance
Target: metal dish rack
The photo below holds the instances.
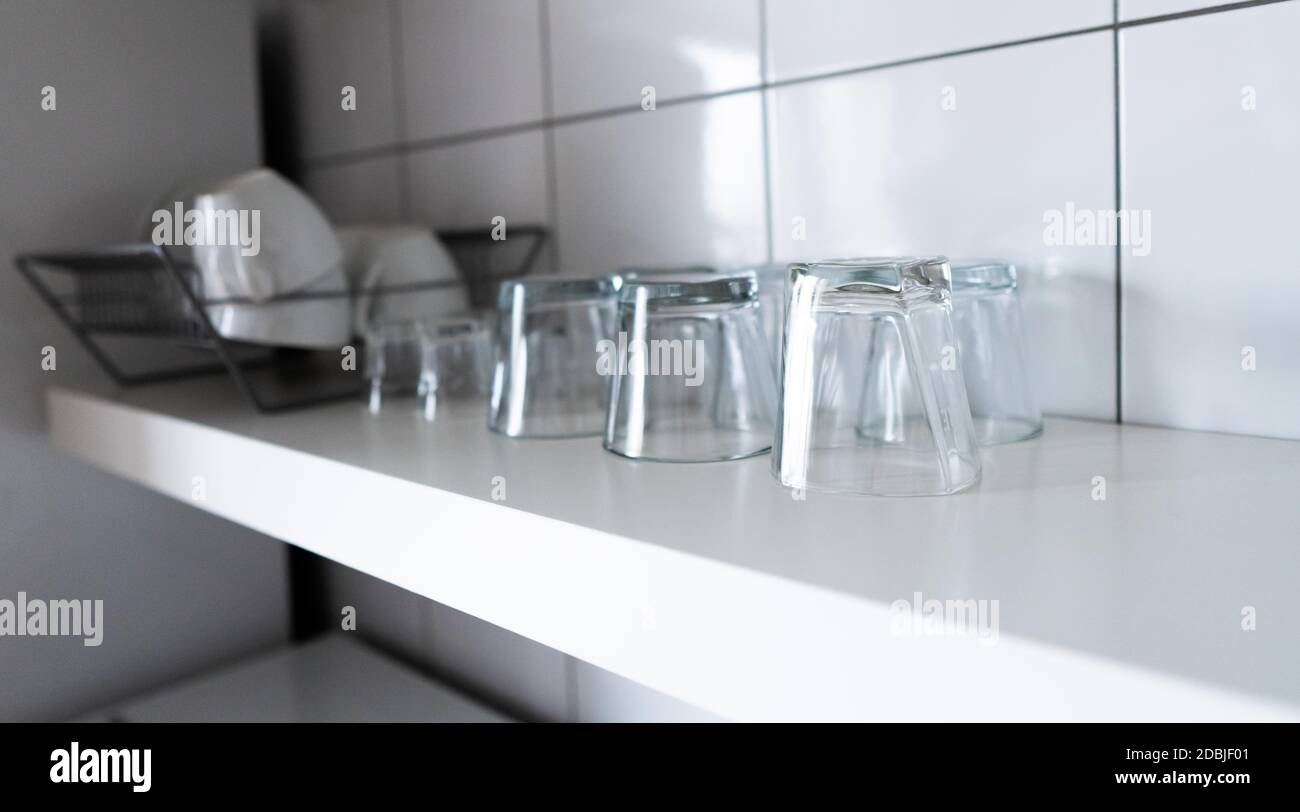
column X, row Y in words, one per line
column 127, row 304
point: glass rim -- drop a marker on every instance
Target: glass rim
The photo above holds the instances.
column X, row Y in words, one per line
column 878, row 274
column 658, row 271
column 732, row 287
column 982, row 274
column 556, row 287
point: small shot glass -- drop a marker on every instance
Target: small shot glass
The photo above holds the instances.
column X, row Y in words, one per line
column 872, row 395
column 544, row 378
column 691, row 377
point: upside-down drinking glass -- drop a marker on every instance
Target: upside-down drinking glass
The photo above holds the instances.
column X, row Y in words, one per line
column 872, row 395
column 692, row 380
column 438, row 358
column 544, row 380
column 455, row 361
column 991, row 335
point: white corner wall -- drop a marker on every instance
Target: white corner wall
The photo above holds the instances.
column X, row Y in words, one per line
column 148, row 92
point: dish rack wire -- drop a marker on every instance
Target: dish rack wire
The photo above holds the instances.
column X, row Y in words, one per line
column 124, row 294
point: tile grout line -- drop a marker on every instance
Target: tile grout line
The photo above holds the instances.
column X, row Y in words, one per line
column 1117, row 87
column 548, row 134
column 766, row 130
column 420, row 145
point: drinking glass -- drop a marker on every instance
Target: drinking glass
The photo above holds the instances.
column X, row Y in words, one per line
column 691, row 376
column 455, row 361
column 991, row 336
column 544, row 380
column 434, row 358
column 392, row 360
column 872, row 396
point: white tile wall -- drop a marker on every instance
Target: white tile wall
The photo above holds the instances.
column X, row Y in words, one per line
column 817, row 36
column 1222, row 183
column 678, row 184
column 364, row 191
column 470, row 65
column 337, row 43
column 466, row 185
column 875, row 164
column 604, row 53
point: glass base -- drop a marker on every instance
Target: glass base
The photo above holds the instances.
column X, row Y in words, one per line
column 1002, row 430
column 881, row 470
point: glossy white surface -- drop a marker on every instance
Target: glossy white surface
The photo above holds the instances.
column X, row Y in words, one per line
column 1222, row 184
column 335, row 678
column 466, row 185
column 338, row 43
column 817, row 36
column 676, row 185
column 711, row 584
column 360, row 192
column 875, row 165
column 603, row 53
column 470, row 66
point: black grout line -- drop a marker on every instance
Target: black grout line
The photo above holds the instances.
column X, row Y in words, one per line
column 419, row 145
column 1195, row 12
column 399, row 106
column 548, row 145
column 766, row 131
column 1118, row 136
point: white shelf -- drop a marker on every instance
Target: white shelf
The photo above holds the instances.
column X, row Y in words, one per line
column 710, row 583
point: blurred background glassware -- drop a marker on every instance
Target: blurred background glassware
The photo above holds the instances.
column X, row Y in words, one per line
column 991, row 336
column 437, row 359
column 872, row 397
column 394, row 360
column 455, row 361
column 691, row 376
column 292, row 291
column 400, row 272
column 544, row 379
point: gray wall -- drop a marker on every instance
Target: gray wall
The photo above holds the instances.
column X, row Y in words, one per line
column 148, row 92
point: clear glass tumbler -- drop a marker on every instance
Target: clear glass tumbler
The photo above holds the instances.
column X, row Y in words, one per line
column 544, row 378
column 392, row 360
column 455, row 361
column 447, row 358
column 691, row 376
column 991, row 335
column 872, row 395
